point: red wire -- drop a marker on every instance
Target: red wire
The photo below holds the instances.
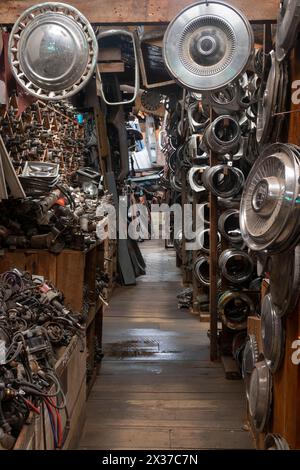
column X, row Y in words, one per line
column 58, row 422
column 32, row 407
column 49, row 407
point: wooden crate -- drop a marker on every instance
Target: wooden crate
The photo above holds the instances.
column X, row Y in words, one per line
column 70, row 270
column 71, row 369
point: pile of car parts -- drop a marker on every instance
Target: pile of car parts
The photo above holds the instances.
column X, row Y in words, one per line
column 34, row 324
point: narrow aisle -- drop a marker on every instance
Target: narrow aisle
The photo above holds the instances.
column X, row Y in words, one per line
column 157, row 388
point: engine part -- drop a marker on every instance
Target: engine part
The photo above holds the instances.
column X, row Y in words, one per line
column 250, row 358
column 267, row 102
column 151, row 100
column 185, row 298
column 223, row 181
column 269, row 218
column 52, row 51
column 260, row 395
column 285, row 282
column 207, row 45
column 236, row 265
column 229, row 226
column 195, row 178
column 201, row 270
column 288, row 23
column 223, row 135
column 234, row 309
column 272, row 334
column 203, row 238
column 276, row 442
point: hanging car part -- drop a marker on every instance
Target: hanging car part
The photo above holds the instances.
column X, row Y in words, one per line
column 52, row 51
column 267, row 102
column 276, row 442
column 120, row 33
column 234, row 309
column 229, row 226
column 203, row 238
column 250, row 358
column 198, row 120
column 208, row 45
column 269, row 212
column 203, row 213
column 260, row 395
column 150, row 53
column 236, row 265
column 288, row 23
column 175, row 182
column 285, row 282
column 201, row 270
column 223, row 181
column 151, row 100
column 223, row 135
column 272, row 334
column 238, row 347
column 229, row 100
column 195, row 178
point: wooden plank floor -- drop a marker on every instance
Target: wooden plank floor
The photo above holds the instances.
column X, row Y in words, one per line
column 157, row 388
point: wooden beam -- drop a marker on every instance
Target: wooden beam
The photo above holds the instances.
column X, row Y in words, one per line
column 139, row 11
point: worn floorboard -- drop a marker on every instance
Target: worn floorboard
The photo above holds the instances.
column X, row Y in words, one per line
column 157, row 388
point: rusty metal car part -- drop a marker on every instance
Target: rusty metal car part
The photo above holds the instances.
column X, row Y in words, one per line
column 223, row 135
column 208, row 45
column 223, row 181
column 151, row 100
column 285, row 282
column 272, row 334
column 234, row 308
column 236, row 265
column 132, row 36
column 52, row 51
column 229, row 226
column 195, row 178
column 288, row 23
column 276, row 442
column 260, row 395
column 269, row 212
column 250, row 358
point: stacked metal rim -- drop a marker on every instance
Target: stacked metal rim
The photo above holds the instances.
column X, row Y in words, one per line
column 223, row 135
column 229, row 226
column 272, row 334
column 234, row 309
column 236, row 265
column 269, row 213
column 223, row 181
column 260, row 395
